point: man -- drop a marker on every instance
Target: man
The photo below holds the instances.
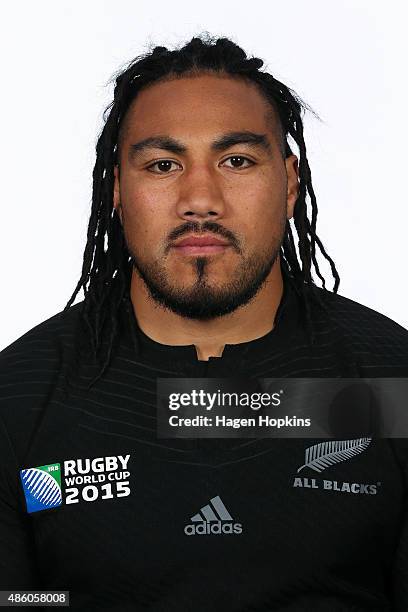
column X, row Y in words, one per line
column 191, row 271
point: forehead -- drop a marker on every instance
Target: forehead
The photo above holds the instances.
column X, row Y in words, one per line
column 204, row 104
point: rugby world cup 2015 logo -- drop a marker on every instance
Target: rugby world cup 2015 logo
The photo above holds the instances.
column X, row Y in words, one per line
column 42, row 487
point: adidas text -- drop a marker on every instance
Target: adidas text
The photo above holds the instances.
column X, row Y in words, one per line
column 216, row 527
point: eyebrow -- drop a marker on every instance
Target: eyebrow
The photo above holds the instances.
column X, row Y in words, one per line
column 222, row 143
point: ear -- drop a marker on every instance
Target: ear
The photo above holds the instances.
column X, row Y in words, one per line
column 292, row 172
column 116, row 192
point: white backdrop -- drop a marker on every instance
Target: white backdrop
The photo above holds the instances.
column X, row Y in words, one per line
column 345, row 58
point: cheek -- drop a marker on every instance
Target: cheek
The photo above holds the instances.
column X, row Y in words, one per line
column 137, row 202
column 266, row 191
column 145, row 203
column 259, row 212
column 135, row 226
column 143, row 223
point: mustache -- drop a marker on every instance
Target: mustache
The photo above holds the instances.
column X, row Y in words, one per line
column 192, row 227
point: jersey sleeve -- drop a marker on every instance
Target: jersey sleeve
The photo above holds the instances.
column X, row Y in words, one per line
column 17, row 552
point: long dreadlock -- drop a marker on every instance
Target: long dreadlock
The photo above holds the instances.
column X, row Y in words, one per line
column 107, row 266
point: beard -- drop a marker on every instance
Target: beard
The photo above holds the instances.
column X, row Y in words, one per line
column 202, row 301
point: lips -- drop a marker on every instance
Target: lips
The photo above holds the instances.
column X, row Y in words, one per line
column 199, row 241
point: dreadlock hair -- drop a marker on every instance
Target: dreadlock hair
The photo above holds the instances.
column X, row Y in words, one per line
column 107, row 266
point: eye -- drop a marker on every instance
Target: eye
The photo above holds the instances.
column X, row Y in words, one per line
column 163, row 165
column 238, row 159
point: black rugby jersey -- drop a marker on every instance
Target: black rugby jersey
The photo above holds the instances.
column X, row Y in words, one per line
column 93, row 502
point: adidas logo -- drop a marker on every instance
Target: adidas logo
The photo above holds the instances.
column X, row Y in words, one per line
column 214, row 519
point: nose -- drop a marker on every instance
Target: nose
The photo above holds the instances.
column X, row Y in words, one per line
column 200, row 194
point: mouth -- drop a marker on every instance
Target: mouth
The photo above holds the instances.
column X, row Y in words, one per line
column 208, row 249
column 201, row 245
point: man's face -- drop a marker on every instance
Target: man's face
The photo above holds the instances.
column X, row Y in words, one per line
column 239, row 192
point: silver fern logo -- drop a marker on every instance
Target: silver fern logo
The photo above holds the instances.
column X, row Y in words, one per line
column 325, row 454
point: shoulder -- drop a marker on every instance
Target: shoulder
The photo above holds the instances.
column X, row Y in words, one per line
column 31, row 365
column 48, row 336
column 361, row 321
column 375, row 340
